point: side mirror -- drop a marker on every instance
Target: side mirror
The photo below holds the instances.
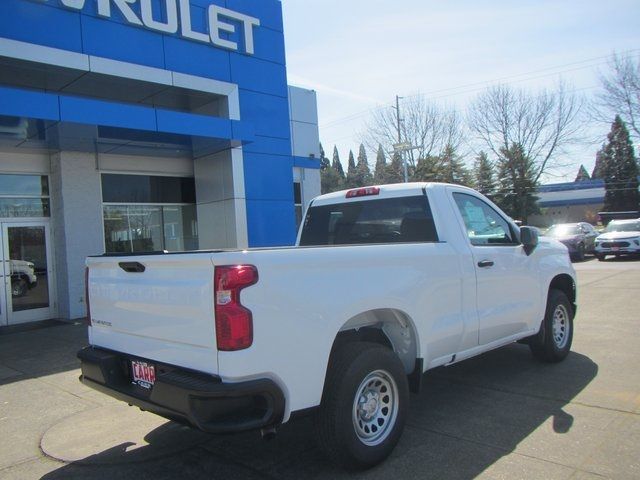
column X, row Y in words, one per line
column 529, row 239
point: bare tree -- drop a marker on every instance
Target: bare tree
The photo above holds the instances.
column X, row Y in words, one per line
column 620, row 93
column 425, row 125
column 542, row 124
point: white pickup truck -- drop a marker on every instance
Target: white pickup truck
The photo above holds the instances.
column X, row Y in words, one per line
column 384, row 284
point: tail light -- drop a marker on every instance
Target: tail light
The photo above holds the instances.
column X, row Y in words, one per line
column 234, row 323
column 86, row 296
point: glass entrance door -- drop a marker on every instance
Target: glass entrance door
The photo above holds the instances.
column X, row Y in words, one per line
column 28, row 276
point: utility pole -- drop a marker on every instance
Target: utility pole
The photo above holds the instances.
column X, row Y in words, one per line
column 398, row 118
column 401, row 147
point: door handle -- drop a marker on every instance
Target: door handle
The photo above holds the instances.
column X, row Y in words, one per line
column 486, row 264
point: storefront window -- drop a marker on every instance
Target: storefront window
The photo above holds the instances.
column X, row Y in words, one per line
column 24, row 196
column 139, row 222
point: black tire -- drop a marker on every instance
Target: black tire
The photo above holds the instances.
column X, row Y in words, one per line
column 600, row 257
column 19, row 287
column 352, row 370
column 580, row 254
column 554, row 344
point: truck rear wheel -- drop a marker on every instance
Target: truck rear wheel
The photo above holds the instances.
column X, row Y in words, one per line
column 553, row 342
column 364, row 404
column 19, row 287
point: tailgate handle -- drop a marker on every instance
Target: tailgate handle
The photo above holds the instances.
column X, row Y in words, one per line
column 132, row 267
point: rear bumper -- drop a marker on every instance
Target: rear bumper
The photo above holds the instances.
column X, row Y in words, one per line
column 189, row 397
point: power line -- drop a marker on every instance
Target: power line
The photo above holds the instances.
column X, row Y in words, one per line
column 463, row 111
column 486, row 83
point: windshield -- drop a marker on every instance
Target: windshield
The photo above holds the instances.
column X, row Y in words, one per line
column 624, row 227
column 564, row 230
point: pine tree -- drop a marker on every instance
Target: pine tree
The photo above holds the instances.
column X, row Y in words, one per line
column 324, row 161
column 428, row 169
column 517, row 185
column 364, row 173
column 394, row 171
column 329, row 178
column 583, row 175
column 352, row 174
column 599, row 167
column 620, row 170
column 336, row 164
column 483, row 177
column 379, row 175
column 334, row 179
column 453, row 168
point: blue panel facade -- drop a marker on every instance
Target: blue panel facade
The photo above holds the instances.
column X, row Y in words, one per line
column 261, row 78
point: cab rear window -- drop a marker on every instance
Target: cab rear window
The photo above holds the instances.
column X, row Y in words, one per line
column 391, row 220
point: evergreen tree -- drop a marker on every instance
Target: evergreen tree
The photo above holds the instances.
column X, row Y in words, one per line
column 352, row 174
column 394, row 171
column 329, row 178
column 334, row 178
column 517, row 185
column 379, row 175
column 336, row 164
column 483, row 177
column 427, row 169
column 598, row 170
column 452, row 167
column 583, row 175
column 364, row 173
column 324, row 161
column 620, row 170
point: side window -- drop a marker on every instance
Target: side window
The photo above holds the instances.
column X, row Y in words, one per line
column 485, row 226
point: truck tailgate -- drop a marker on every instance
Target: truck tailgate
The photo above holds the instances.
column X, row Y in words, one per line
column 158, row 307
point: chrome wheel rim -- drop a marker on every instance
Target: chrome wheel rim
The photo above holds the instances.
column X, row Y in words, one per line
column 375, row 408
column 561, row 326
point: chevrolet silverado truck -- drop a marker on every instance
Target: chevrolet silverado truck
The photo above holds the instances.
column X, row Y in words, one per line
column 383, row 284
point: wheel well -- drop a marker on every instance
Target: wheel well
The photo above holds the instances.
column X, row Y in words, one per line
column 565, row 284
column 387, row 327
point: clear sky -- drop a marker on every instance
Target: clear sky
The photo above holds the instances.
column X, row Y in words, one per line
column 359, row 54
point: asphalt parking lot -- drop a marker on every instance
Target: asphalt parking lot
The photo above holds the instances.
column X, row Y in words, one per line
column 499, row 416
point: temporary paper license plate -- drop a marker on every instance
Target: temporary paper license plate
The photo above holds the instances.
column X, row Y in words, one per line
column 143, row 374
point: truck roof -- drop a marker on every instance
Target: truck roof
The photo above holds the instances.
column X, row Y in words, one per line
column 385, row 191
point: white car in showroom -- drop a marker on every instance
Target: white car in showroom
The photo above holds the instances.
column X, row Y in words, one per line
column 622, row 237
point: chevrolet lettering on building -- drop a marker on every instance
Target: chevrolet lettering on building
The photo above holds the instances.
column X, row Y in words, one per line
column 177, row 19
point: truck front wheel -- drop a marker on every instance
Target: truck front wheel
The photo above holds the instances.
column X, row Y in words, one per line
column 364, row 404
column 553, row 342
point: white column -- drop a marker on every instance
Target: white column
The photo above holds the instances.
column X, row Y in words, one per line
column 78, row 228
column 220, row 198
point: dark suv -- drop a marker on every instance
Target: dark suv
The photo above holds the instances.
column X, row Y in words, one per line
column 578, row 237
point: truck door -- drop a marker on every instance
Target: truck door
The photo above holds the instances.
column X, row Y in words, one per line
column 507, row 284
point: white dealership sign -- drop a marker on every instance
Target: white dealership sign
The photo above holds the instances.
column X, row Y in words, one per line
column 178, row 20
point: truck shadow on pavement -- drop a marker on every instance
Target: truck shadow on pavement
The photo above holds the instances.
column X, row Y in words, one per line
column 467, row 418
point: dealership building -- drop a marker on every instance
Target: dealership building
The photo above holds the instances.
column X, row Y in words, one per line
column 139, row 126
